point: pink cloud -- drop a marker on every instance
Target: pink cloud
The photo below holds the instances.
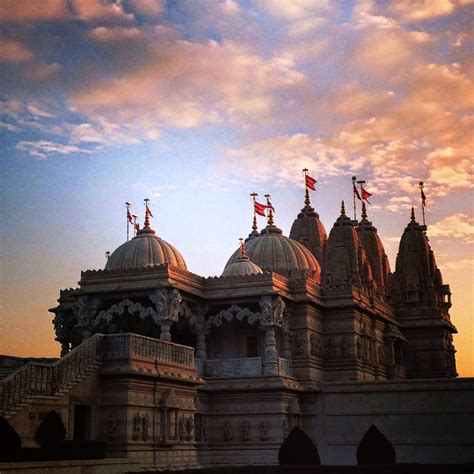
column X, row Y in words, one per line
column 33, row 10
column 13, row 51
column 101, row 10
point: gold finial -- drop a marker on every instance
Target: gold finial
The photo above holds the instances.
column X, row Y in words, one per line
column 243, row 250
column 343, row 209
column 364, row 210
column 270, row 211
column 413, row 214
column 147, row 213
column 254, row 225
column 307, row 201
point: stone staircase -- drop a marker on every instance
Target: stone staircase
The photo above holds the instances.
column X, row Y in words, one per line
column 41, row 380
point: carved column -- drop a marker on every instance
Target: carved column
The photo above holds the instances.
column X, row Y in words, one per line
column 272, row 316
column 286, row 340
column 271, row 354
column 64, row 348
column 167, row 304
column 165, row 334
column 201, row 346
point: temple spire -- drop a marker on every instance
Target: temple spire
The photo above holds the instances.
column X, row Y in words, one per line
column 307, row 200
column 343, row 209
column 270, row 211
column 243, row 250
column 413, row 214
column 254, row 225
column 364, row 210
column 148, row 213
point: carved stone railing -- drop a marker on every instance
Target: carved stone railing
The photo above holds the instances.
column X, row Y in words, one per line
column 283, row 366
column 250, row 366
column 48, row 379
column 246, row 367
column 133, row 345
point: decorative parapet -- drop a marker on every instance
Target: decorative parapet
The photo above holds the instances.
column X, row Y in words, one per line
column 246, row 367
column 35, row 379
column 164, row 268
column 133, row 345
column 283, row 367
column 48, row 379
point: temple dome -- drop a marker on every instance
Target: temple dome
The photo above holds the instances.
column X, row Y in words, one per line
column 241, row 266
column 145, row 249
column 309, row 231
column 274, row 252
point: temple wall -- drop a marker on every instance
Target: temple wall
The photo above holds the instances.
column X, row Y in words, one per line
column 427, row 421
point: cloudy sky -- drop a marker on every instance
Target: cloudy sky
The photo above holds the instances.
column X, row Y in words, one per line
column 197, row 104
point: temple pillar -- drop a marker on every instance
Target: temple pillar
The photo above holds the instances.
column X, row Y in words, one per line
column 165, row 334
column 64, row 348
column 201, row 346
column 271, row 354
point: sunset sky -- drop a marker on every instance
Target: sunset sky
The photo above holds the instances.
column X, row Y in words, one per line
column 195, row 104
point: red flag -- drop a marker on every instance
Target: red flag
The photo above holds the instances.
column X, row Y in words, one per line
column 259, row 208
column 149, row 212
column 310, row 182
column 356, row 192
column 129, row 216
column 423, row 198
column 365, row 195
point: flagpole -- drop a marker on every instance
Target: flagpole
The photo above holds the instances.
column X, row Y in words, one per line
column 135, row 223
column 422, row 202
column 354, row 178
column 361, row 183
column 147, row 217
column 128, row 205
column 254, row 226
column 306, row 195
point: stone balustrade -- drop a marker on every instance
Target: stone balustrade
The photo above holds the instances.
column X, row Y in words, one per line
column 133, row 345
column 245, row 367
column 48, row 379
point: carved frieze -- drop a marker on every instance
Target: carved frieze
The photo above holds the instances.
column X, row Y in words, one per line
column 264, row 428
column 146, row 427
column 299, row 343
column 316, row 345
column 113, row 432
column 228, row 431
column 137, row 427
column 245, row 431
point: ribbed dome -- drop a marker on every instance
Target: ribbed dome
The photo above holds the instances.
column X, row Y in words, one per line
column 145, row 249
column 241, row 266
column 309, row 231
column 272, row 251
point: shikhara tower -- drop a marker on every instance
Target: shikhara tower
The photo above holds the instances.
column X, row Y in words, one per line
column 307, row 330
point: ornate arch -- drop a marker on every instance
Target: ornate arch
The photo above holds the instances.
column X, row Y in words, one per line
column 119, row 309
column 194, row 321
column 233, row 312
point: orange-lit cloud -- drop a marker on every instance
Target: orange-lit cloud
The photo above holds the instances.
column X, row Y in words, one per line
column 33, row 10
column 458, row 226
column 13, row 51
